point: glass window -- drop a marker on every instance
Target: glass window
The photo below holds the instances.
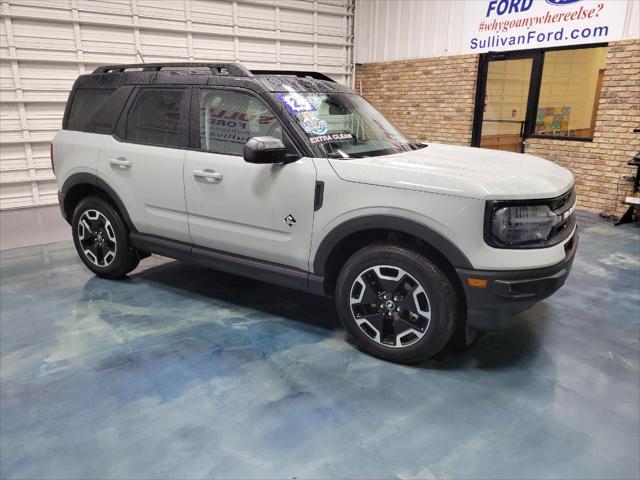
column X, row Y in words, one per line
column 341, row 125
column 570, row 91
column 86, row 102
column 155, row 117
column 228, row 119
column 505, row 104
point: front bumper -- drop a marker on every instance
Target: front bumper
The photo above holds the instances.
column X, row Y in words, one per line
column 507, row 293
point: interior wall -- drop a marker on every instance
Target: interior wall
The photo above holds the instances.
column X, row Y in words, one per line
column 46, row 44
column 429, row 99
column 433, row 99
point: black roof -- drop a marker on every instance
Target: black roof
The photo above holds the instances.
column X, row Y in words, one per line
column 225, row 74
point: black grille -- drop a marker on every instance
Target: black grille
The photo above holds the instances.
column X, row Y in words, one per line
column 560, row 206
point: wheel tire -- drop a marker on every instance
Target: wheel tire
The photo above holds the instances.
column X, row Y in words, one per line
column 97, row 213
column 441, row 303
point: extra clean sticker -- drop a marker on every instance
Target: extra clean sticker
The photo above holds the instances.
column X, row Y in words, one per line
column 296, row 103
column 333, row 137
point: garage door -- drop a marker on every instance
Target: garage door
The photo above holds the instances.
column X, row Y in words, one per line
column 46, row 44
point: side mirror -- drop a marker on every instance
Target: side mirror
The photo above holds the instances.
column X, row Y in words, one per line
column 266, row 150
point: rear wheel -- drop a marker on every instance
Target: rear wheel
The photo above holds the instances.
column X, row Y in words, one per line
column 397, row 304
column 102, row 239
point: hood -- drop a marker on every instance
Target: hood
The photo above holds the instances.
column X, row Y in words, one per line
column 461, row 171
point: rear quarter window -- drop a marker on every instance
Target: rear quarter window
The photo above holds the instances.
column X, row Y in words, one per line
column 85, row 103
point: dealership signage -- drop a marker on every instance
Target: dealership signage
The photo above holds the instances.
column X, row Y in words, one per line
column 500, row 25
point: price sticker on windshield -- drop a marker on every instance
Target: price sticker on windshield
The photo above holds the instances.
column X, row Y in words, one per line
column 296, row 103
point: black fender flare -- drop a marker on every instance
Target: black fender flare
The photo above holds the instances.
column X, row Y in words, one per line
column 386, row 222
column 92, row 179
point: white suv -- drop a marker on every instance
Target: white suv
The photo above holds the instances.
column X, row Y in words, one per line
column 292, row 178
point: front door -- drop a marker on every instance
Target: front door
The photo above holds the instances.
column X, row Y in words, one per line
column 259, row 211
column 503, row 96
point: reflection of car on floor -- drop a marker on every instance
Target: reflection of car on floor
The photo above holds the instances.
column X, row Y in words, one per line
column 420, row 244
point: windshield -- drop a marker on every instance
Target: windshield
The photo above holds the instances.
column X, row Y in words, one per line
column 342, row 125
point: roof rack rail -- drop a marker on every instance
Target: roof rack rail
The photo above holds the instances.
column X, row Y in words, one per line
column 295, row 73
column 231, row 69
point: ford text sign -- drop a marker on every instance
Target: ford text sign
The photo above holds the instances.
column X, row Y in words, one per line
column 500, row 25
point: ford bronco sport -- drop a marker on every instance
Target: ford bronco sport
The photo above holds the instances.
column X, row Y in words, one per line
column 291, row 178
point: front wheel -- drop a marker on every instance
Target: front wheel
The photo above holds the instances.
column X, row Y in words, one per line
column 102, row 239
column 397, row 304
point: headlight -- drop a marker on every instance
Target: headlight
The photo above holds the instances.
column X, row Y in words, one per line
column 517, row 225
column 533, row 224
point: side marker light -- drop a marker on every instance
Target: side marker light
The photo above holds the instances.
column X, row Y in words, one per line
column 477, row 282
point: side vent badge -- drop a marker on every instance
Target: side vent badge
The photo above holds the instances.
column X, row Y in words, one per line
column 289, row 220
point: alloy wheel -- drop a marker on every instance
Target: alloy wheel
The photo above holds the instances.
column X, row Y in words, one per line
column 97, row 238
column 390, row 306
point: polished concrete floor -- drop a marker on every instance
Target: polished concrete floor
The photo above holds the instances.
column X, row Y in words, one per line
column 180, row 372
column 32, row 226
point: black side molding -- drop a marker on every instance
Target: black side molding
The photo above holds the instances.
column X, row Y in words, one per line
column 75, row 179
column 318, row 198
column 269, row 272
column 92, row 179
column 384, row 222
column 119, row 203
column 161, row 246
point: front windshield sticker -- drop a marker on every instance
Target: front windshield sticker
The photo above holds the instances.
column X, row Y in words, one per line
column 296, row 103
column 342, row 125
column 331, row 138
column 312, row 124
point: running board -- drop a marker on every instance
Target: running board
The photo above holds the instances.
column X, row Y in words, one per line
column 269, row 272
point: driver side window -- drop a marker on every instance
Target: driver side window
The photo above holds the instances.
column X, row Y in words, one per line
column 228, row 119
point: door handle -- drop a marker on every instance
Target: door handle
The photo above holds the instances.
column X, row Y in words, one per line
column 207, row 175
column 120, row 162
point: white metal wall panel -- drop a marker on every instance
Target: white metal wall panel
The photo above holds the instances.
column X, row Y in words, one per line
column 632, row 20
column 401, row 29
column 46, row 44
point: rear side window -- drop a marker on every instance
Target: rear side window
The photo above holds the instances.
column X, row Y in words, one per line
column 155, row 117
column 86, row 102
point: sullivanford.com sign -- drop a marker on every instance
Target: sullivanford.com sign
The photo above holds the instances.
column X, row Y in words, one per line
column 500, row 25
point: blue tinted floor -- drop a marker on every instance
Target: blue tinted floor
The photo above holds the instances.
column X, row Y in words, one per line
column 180, row 372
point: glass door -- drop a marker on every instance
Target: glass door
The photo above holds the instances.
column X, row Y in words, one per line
column 502, row 98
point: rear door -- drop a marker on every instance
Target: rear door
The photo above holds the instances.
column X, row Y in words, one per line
column 259, row 211
column 144, row 161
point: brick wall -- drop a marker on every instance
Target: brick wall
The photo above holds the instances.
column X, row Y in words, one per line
column 428, row 99
column 433, row 99
column 598, row 165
